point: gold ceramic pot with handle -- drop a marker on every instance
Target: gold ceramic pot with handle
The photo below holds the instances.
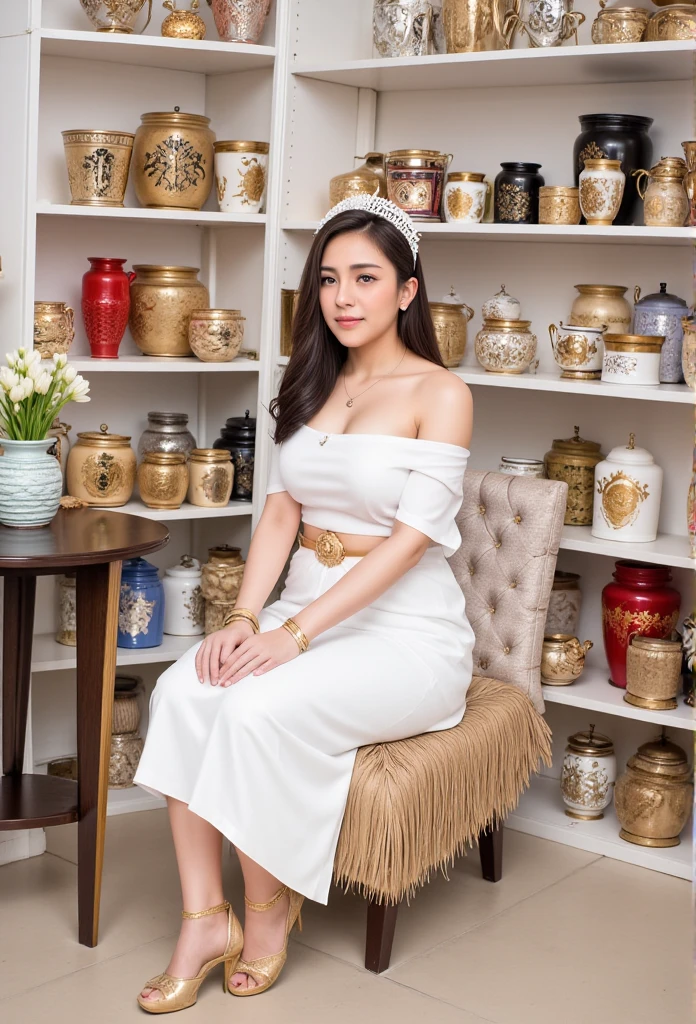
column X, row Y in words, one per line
column 474, row 25
column 182, row 24
column 162, row 301
column 599, row 304
column 619, row 24
column 563, row 659
column 101, row 468
column 665, row 202
column 54, row 328
column 450, row 321
column 653, row 798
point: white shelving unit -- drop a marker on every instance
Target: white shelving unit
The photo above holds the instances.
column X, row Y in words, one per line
column 320, row 96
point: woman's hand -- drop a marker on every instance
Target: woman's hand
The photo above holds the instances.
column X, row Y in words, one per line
column 229, row 654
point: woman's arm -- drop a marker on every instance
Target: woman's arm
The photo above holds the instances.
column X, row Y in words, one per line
column 270, row 546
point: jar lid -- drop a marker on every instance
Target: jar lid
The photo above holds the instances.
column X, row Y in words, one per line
column 634, row 342
column 663, row 299
column 502, row 294
column 415, row 153
column 629, row 453
column 217, row 314
column 565, row 580
column 601, row 289
column 187, row 567
column 576, row 445
column 168, row 417
column 240, row 427
column 240, row 146
column 669, row 166
column 519, row 325
column 224, row 552
column 466, row 176
column 591, row 742
column 210, row 455
column 175, row 117
column 514, row 461
column 656, row 644
column 165, row 458
column 660, row 757
column 138, row 567
column 163, row 268
column 126, row 683
column 102, row 438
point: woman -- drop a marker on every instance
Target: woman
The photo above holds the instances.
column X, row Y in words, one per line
column 247, row 738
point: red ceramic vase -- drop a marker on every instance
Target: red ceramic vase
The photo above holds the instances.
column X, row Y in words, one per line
column 640, row 601
column 105, row 305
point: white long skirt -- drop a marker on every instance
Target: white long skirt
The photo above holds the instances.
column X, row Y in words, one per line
column 268, row 761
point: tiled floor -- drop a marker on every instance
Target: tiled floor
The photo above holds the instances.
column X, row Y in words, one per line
column 565, row 938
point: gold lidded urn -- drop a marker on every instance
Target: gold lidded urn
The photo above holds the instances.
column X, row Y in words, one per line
column 98, row 163
column 619, row 24
column 370, row 177
column 559, row 204
column 599, row 304
column 216, row 335
column 101, row 468
column 162, row 300
column 653, row 672
column 163, row 479
column 173, row 160
column 563, row 658
column 450, row 318
column 573, row 460
column 665, row 202
column 54, row 328
column 588, row 775
column 211, row 477
column 181, row 23
column 654, row 795
column 116, row 15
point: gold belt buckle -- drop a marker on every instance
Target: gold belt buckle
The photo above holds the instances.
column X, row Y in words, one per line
column 329, row 549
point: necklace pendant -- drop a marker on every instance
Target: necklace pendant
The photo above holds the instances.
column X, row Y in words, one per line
column 324, row 439
column 349, row 402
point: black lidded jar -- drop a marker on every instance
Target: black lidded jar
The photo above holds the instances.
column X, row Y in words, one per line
column 238, row 436
column 517, row 193
column 621, row 137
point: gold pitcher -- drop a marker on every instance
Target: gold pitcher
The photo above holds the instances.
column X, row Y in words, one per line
column 563, row 658
column 474, row 25
column 665, row 202
column 54, row 328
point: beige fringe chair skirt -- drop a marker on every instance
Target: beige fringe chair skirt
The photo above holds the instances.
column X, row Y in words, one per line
column 268, row 761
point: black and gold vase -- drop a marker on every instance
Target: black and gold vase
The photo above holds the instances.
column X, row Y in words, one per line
column 238, row 436
column 517, row 193
column 621, row 137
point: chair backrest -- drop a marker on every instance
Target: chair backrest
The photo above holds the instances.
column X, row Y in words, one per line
column 511, row 529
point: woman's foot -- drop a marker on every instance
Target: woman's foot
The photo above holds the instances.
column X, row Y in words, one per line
column 264, row 935
column 200, row 940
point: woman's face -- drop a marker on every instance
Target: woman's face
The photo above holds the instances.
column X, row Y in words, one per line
column 360, row 296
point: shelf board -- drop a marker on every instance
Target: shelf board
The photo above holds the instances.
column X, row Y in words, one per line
column 159, row 364
column 678, row 393
column 541, row 813
column 202, row 56
column 186, row 511
column 668, row 549
column 49, row 656
column 204, row 218
column 594, row 692
column 125, row 801
column 616, row 234
column 567, row 65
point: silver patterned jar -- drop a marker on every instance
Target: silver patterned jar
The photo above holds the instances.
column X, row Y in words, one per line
column 661, row 314
column 408, row 28
column 521, row 467
column 166, row 432
column 565, row 602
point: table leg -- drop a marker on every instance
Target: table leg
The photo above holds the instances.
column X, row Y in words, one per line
column 18, row 628
column 97, row 593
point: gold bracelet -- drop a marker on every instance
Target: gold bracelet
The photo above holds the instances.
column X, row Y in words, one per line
column 242, row 613
column 296, row 632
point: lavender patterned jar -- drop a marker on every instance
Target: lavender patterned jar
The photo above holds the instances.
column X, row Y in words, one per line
column 661, row 313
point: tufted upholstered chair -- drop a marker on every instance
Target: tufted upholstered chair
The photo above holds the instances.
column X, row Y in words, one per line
column 415, row 804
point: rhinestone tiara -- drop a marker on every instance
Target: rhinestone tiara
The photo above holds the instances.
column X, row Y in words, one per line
column 382, row 208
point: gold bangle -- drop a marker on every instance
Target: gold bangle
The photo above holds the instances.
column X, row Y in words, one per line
column 296, row 632
column 244, row 614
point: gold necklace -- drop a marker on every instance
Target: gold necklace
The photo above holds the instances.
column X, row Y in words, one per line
column 350, row 401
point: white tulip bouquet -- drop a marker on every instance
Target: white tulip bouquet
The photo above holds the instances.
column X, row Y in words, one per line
column 32, row 393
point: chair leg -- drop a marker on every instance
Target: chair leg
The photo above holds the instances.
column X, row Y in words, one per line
column 381, row 922
column 491, row 852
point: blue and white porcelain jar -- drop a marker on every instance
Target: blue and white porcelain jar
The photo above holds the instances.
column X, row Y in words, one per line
column 141, row 605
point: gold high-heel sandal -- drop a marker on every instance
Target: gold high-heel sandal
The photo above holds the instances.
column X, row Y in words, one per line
column 179, row 993
column 265, row 970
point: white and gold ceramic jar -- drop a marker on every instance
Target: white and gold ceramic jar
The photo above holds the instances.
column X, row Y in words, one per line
column 184, row 605
column 465, row 197
column 588, row 775
column 163, row 479
column 216, row 335
column 505, row 346
column 211, row 475
column 101, row 468
column 632, row 359
column 628, row 490
column 602, row 304
column 241, row 169
column 579, row 351
column 501, row 306
column 601, row 191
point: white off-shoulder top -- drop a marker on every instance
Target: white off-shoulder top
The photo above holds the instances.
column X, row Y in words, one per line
column 361, row 483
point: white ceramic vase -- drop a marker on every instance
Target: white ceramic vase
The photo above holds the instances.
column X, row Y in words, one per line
column 184, row 606
column 627, row 495
column 465, row 197
column 31, row 483
column 240, row 176
column 601, row 190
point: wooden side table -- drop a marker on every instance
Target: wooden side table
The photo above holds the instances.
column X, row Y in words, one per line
column 93, row 542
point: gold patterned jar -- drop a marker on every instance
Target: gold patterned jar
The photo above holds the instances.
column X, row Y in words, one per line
column 216, row 335
column 163, row 479
column 559, row 204
column 505, row 346
column 466, row 197
column 98, row 164
column 101, row 468
column 162, row 300
column 449, row 320
column 67, row 610
column 689, row 350
column 601, row 191
column 288, row 306
column 416, row 179
column 599, row 304
column 588, row 775
column 653, row 672
column 181, row 24
column 241, row 171
column 370, row 177
column 221, row 579
column 211, row 476
column 619, row 24
column 563, row 658
column 54, row 328
column 172, row 164
column 654, row 796
column 672, row 23
column 573, row 460
column 665, row 202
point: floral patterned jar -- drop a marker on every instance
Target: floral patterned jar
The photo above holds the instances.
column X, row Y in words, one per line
column 163, row 479
column 632, row 359
column 465, row 197
column 101, row 468
column 501, row 306
column 184, row 605
column 211, row 475
column 216, row 335
column 505, row 346
column 588, row 775
column 660, row 314
column 141, row 605
column 241, row 170
column 601, row 191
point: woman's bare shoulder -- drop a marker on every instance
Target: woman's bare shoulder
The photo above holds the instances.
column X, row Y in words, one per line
column 445, row 408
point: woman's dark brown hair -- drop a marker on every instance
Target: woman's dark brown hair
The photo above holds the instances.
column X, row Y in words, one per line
column 317, row 355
